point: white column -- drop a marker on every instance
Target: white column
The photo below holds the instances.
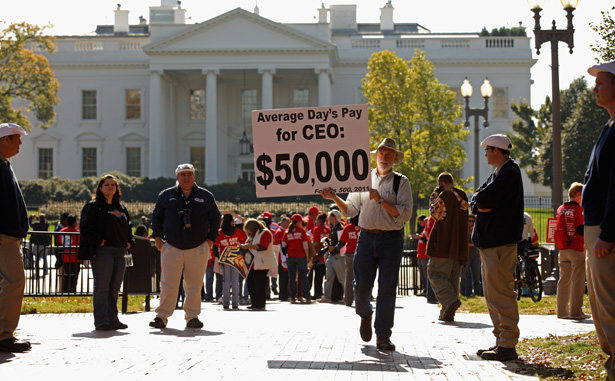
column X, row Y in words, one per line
column 156, row 123
column 324, row 87
column 267, row 88
column 211, row 127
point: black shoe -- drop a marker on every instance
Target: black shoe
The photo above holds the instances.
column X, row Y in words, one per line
column 226, row 307
column 157, row 323
column 500, row 354
column 119, row 325
column 384, row 344
column 366, row 329
column 104, row 327
column 194, row 323
column 448, row 313
column 481, row 351
column 235, row 307
column 14, row 346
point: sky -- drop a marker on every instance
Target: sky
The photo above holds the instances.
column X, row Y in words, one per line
column 78, row 17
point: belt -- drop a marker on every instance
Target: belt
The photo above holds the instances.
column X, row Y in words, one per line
column 376, row 231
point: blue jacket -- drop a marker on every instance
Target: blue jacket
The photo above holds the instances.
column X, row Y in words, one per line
column 204, row 217
column 599, row 190
column 503, row 193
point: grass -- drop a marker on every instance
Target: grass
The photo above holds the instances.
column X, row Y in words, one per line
column 77, row 304
column 546, row 306
column 553, row 357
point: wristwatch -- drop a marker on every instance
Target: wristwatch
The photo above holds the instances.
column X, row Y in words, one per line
column 380, row 201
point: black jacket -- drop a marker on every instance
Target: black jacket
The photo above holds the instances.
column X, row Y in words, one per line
column 14, row 221
column 503, row 194
column 92, row 226
column 204, row 217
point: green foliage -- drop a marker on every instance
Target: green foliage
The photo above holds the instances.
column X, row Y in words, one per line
column 606, row 31
column 407, row 102
column 25, row 77
column 503, row 32
column 533, row 130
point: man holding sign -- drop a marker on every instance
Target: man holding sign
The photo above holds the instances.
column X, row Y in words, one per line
column 385, row 208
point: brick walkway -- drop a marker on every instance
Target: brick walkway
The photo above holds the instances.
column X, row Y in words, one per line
column 292, row 342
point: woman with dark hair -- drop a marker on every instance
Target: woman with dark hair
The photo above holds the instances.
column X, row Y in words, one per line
column 229, row 236
column 260, row 244
column 105, row 226
column 295, row 242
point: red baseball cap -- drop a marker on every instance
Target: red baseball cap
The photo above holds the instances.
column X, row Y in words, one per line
column 296, row 217
column 313, row 209
column 267, row 214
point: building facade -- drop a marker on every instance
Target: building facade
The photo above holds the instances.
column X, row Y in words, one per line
column 142, row 98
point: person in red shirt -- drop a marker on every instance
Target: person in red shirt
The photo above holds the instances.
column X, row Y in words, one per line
column 321, row 230
column 282, row 266
column 313, row 212
column 260, row 244
column 229, row 236
column 349, row 239
column 295, row 241
column 423, row 259
column 571, row 284
column 71, row 266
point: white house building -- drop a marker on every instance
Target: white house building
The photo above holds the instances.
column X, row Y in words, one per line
column 142, row 98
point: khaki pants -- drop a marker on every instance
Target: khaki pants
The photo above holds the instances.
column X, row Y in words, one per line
column 12, row 283
column 571, row 284
column 498, row 268
column 444, row 275
column 601, row 287
column 173, row 262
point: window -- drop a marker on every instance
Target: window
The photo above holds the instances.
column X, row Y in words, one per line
column 89, row 105
column 133, row 161
column 45, row 163
column 247, row 171
column 197, row 104
column 301, row 98
column 500, row 102
column 197, row 158
column 133, row 104
column 88, row 162
column 248, row 103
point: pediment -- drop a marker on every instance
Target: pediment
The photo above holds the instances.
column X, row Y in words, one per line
column 238, row 30
column 45, row 136
column 132, row 137
column 87, row 135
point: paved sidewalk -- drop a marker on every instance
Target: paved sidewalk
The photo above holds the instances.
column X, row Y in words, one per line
column 291, row 342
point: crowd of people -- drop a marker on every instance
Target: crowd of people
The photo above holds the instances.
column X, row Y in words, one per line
column 467, row 246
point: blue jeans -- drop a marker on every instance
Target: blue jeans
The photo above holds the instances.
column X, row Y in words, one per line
column 382, row 253
column 471, row 271
column 298, row 264
column 108, row 268
column 231, row 280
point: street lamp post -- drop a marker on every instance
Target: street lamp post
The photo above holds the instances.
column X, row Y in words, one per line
column 554, row 36
column 466, row 91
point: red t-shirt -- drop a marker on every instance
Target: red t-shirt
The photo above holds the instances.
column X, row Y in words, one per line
column 421, row 250
column 310, row 223
column 573, row 217
column 320, row 232
column 350, row 235
column 295, row 242
column 223, row 241
column 278, row 235
column 70, row 243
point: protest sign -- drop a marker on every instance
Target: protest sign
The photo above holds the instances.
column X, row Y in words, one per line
column 238, row 258
column 304, row 150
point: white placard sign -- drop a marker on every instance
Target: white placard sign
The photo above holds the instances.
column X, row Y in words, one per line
column 301, row 151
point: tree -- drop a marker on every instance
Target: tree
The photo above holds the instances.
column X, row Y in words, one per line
column 406, row 102
column 27, row 84
column 606, row 31
column 581, row 121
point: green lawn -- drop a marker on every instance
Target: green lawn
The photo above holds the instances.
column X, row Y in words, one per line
column 77, row 304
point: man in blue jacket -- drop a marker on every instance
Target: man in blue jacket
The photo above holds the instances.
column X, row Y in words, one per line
column 13, row 229
column 598, row 203
column 185, row 225
column 498, row 206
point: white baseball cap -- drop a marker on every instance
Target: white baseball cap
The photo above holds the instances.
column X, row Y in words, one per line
column 187, row 167
column 336, row 213
column 8, row 129
column 608, row 67
column 498, row 140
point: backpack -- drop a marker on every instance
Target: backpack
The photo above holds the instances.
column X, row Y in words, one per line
column 562, row 236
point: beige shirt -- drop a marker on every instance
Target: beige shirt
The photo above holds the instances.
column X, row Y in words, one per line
column 373, row 215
